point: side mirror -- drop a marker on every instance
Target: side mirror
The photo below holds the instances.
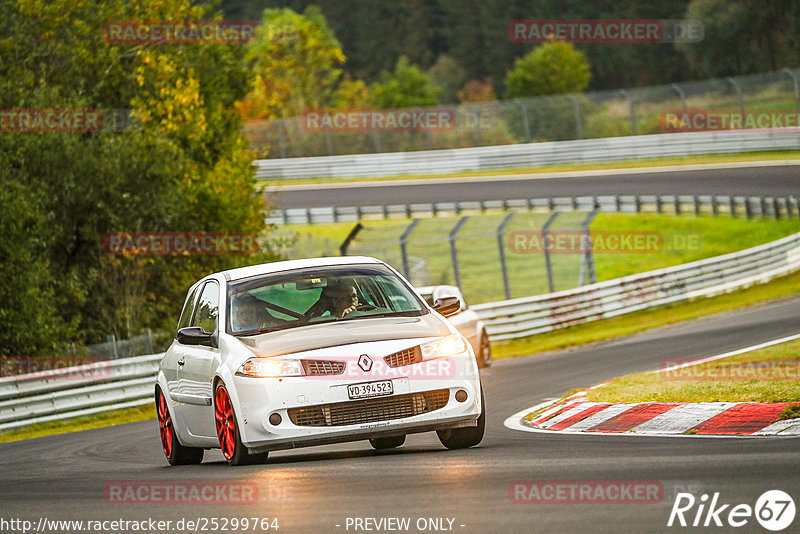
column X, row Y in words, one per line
column 447, row 306
column 194, row 335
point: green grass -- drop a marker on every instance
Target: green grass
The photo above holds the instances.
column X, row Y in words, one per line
column 479, row 259
column 566, row 167
column 110, row 418
column 605, row 329
column 764, row 375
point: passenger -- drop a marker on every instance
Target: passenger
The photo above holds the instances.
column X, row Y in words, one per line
column 250, row 313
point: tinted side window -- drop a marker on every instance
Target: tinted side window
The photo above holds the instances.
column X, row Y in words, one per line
column 207, row 308
column 188, row 308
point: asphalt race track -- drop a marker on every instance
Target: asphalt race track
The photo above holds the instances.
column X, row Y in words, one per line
column 777, row 180
column 313, row 490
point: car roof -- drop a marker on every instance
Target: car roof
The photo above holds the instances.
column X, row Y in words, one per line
column 280, row 266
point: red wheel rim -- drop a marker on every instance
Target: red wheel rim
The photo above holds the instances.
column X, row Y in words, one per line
column 226, row 426
column 165, row 424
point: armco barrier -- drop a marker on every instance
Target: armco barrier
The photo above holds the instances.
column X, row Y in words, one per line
column 749, row 207
column 530, row 154
column 58, row 394
column 522, row 317
column 47, row 396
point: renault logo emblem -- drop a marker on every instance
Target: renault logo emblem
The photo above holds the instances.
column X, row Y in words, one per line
column 365, row 363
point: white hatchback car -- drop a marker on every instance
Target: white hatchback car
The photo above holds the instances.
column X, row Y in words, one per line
column 311, row 352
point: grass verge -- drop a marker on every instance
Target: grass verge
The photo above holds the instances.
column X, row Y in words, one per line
column 764, row 375
column 566, row 167
column 479, row 260
column 605, row 329
column 110, row 418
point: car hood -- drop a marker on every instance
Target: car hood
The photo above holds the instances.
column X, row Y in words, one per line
column 365, row 330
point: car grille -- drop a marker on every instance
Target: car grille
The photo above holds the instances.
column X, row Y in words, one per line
column 323, row 367
column 369, row 410
column 404, row 357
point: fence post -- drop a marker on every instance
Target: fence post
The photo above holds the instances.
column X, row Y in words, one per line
column 329, row 142
column 112, row 340
column 776, row 207
column 696, row 206
column 763, row 207
column 453, row 249
column 525, row 125
column 732, row 202
column 547, row 261
column 682, row 96
column 501, row 248
column 748, row 208
column 738, row 89
column 587, row 258
column 149, row 334
column 403, row 242
column 793, row 76
column 659, row 205
column 347, row 240
column 576, row 108
column 281, row 137
column 631, row 109
column 677, row 204
column 714, row 205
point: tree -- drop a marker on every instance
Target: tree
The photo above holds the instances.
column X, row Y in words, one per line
column 552, row 68
column 742, row 36
column 476, row 91
column 183, row 167
column 406, row 87
column 448, row 76
column 297, row 62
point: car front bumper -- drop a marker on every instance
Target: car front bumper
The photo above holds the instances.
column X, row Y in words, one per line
column 260, row 398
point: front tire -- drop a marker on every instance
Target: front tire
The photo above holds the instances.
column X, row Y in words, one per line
column 176, row 453
column 391, row 442
column 230, row 440
column 462, row 438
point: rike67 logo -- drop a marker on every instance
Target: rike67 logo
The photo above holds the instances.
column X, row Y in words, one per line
column 774, row 510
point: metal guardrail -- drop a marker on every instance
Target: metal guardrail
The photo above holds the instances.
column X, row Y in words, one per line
column 76, row 391
column 529, row 154
column 68, row 392
column 677, row 204
column 527, row 316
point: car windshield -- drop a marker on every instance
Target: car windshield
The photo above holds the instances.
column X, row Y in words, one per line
column 305, row 297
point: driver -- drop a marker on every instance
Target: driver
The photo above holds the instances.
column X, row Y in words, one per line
column 337, row 299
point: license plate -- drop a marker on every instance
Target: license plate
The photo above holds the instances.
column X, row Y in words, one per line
column 370, row 389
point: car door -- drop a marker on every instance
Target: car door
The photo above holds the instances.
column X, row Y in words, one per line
column 177, row 351
column 195, row 366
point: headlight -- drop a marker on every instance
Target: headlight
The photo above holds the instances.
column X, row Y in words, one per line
column 270, row 367
column 447, row 346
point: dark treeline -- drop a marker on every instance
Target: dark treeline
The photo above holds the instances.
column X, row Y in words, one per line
column 741, row 36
